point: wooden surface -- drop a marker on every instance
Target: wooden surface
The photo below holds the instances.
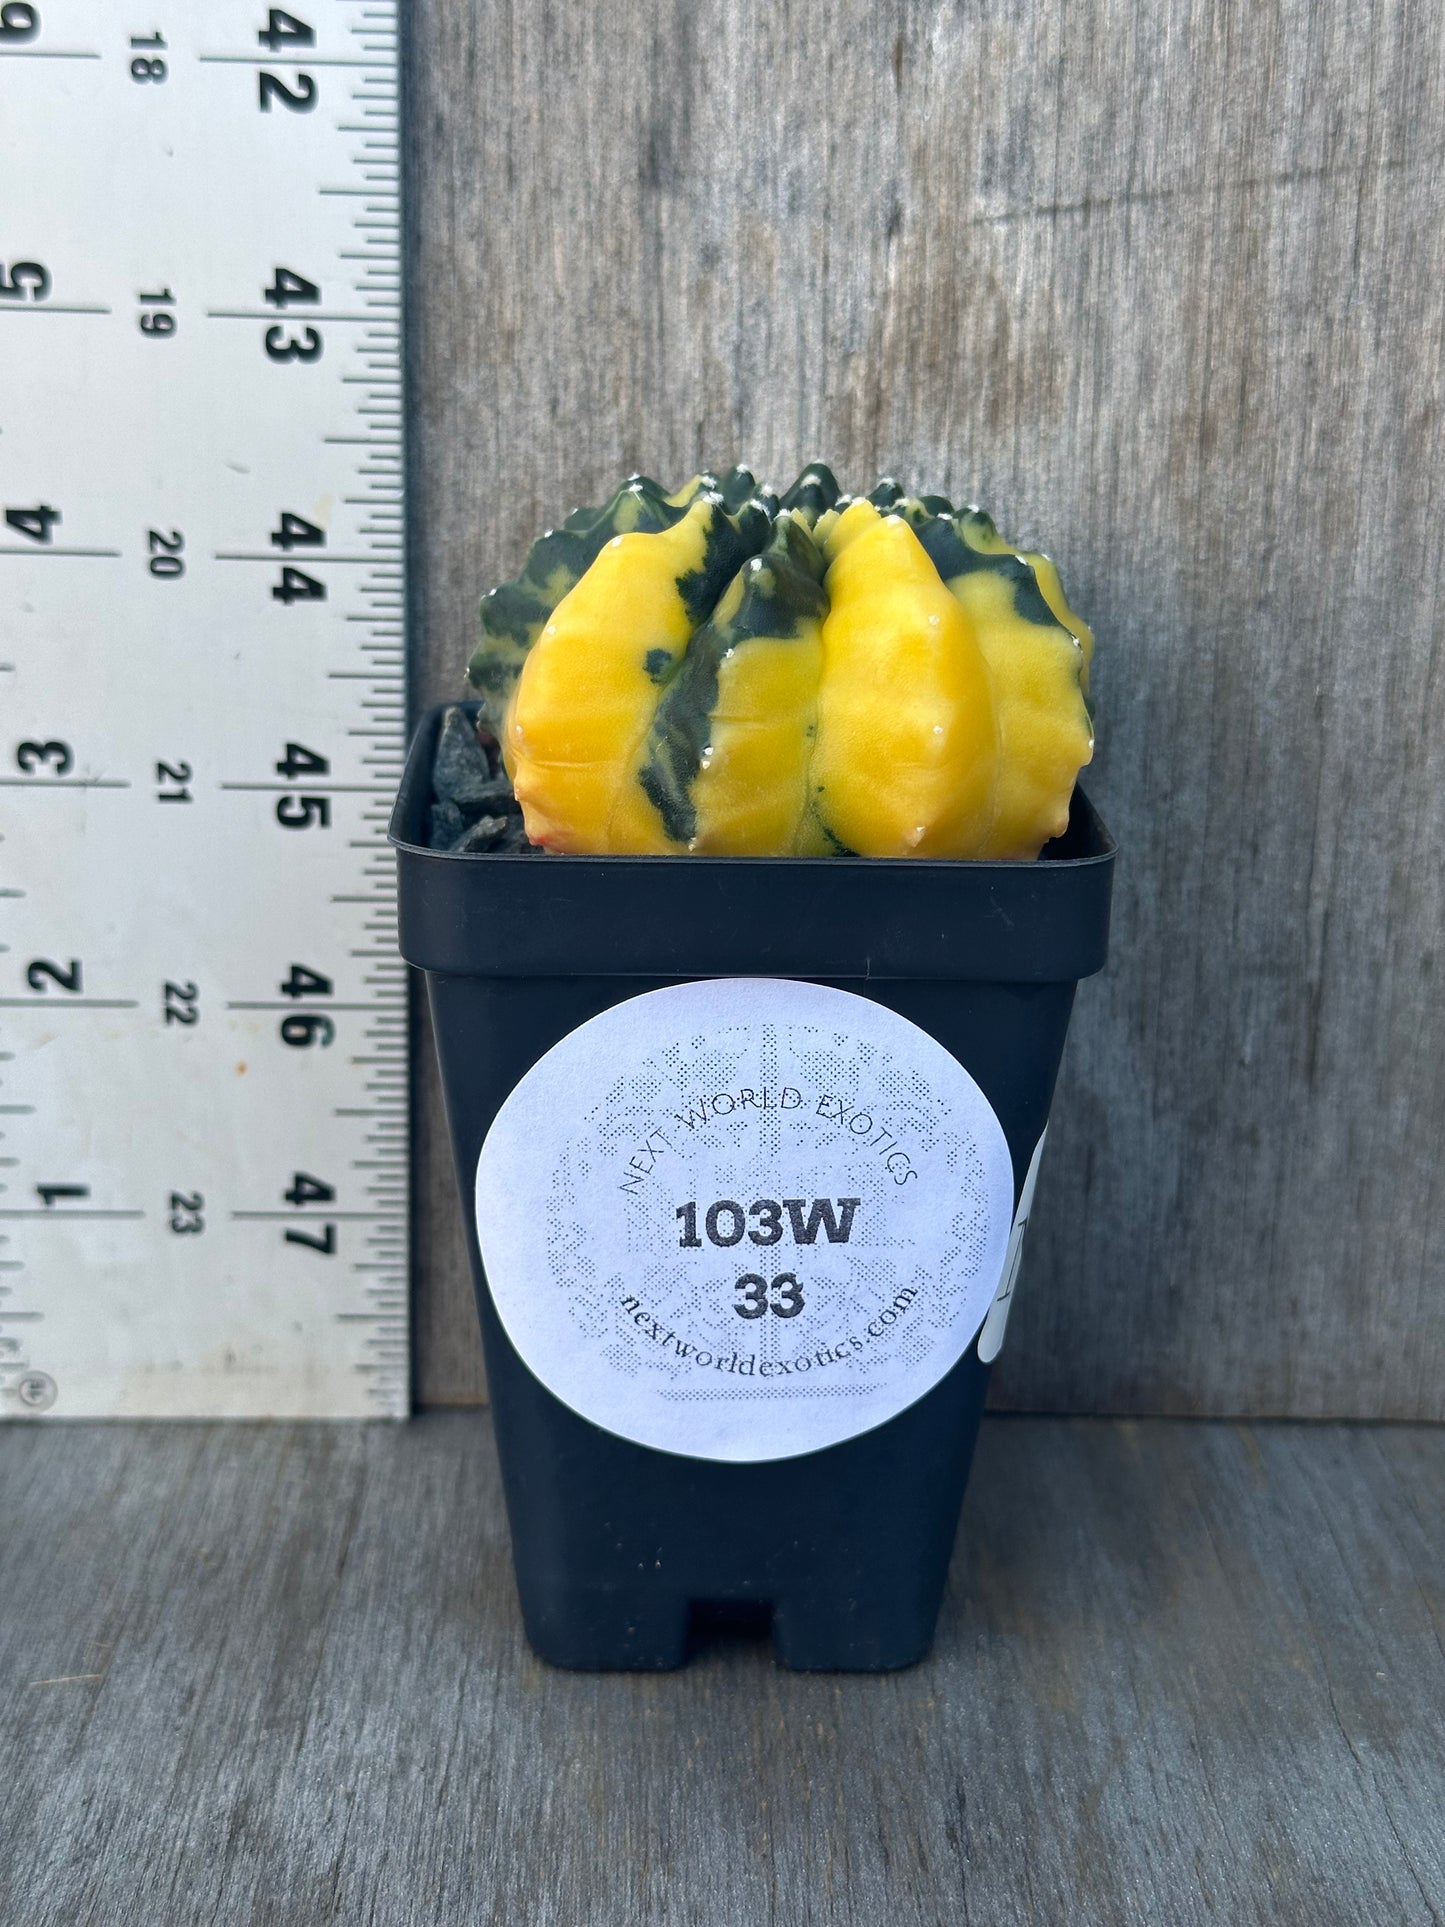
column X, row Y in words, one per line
column 1185, row 1674
column 1161, row 284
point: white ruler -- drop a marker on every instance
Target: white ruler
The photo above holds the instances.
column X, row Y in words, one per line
column 203, row 1092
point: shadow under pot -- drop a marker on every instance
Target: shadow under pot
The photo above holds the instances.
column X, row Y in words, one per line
column 745, row 1148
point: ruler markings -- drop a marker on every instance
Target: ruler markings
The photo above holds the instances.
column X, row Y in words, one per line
column 269, row 314
column 245, row 1004
column 320, row 1211
column 375, row 459
column 284, row 60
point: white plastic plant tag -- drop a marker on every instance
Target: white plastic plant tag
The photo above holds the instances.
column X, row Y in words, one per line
column 990, row 1339
column 744, row 1219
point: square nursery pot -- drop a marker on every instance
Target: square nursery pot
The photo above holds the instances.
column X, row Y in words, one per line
column 750, row 1145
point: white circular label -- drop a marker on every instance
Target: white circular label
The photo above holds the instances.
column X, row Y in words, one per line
column 744, row 1219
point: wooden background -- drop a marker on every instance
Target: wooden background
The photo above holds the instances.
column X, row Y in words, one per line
column 1161, row 284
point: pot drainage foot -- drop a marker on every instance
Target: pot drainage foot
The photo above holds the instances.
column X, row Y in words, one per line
column 849, row 1635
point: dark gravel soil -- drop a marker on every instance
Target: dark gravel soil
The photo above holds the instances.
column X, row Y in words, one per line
column 473, row 807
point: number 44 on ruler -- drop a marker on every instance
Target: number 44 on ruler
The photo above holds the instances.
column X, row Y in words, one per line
column 203, row 1071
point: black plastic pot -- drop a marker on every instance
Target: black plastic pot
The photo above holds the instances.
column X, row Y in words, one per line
column 618, row 1545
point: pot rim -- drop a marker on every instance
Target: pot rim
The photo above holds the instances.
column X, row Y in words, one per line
column 1085, row 826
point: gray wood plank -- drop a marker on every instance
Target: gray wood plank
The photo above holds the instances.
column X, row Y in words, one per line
column 1163, row 285
column 1185, row 1673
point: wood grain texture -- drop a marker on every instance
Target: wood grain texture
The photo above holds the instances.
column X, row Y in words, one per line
column 1163, row 285
column 1185, row 1674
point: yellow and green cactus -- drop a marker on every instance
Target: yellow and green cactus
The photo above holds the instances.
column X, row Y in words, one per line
column 713, row 670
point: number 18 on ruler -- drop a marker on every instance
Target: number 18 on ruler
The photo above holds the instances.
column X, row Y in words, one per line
column 203, row 1095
